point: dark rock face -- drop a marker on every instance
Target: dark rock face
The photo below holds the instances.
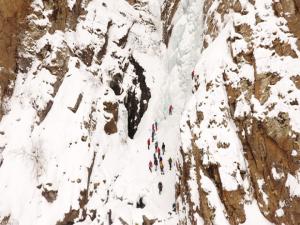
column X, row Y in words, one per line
column 115, row 83
column 50, row 196
column 136, row 105
column 168, row 11
column 62, row 17
column 147, row 221
column 140, row 203
column 111, row 126
column 100, row 55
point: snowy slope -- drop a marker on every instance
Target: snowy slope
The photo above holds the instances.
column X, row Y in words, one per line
column 92, row 78
column 67, row 156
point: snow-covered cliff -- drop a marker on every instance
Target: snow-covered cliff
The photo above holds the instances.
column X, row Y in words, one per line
column 239, row 160
column 73, row 145
column 83, row 81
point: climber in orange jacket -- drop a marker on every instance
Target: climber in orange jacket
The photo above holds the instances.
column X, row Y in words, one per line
column 161, row 165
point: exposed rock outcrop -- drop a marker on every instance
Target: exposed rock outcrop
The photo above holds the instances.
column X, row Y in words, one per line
column 168, row 11
column 49, row 195
column 111, row 126
column 12, row 25
column 267, row 136
column 137, row 98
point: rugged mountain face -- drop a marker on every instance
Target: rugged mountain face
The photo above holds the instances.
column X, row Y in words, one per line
column 77, row 90
column 240, row 154
column 82, row 82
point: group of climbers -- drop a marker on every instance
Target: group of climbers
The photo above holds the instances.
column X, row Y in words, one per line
column 157, row 158
column 157, row 149
column 158, row 152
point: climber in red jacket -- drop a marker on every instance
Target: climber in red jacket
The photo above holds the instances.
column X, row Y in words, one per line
column 158, row 151
column 193, row 74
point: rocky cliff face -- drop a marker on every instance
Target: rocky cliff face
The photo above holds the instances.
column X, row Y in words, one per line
column 13, row 23
column 82, row 81
column 168, row 11
column 242, row 144
column 72, row 74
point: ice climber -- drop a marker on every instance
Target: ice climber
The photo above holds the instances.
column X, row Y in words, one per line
column 158, row 151
column 155, row 163
column 154, row 157
column 170, row 163
column 163, row 147
column 170, row 110
column 160, row 187
column 152, row 136
column 161, row 165
column 148, row 143
column 150, row 166
column 193, row 74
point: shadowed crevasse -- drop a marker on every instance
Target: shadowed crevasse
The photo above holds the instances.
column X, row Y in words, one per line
column 136, row 107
